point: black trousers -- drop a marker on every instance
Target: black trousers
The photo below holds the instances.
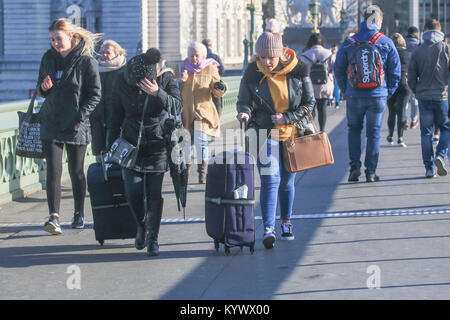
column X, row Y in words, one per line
column 140, row 188
column 321, row 107
column 396, row 106
column 75, row 161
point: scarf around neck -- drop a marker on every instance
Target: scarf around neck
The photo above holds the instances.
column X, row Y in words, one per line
column 199, row 67
column 112, row 65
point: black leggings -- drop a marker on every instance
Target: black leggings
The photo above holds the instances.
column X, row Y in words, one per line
column 75, row 161
column 134, row 190
column 396, row 105
column 321, row 106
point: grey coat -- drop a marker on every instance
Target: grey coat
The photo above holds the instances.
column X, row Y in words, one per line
column 429, row 68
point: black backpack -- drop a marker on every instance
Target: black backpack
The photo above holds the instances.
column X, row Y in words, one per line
column 365, row 70
column 319, row 71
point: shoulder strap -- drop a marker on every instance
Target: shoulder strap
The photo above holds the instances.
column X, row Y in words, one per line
column 375, row 37
column 141, row 128
column 31, row 105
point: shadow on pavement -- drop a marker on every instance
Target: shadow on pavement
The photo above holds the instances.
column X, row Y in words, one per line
column 261, row 274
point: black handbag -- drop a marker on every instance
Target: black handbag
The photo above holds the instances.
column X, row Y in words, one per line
column 123, row 152
column 29, row 143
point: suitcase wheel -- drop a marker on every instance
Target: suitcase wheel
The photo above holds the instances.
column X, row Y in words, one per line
column 252, row 249
column 101, row 242
column 216, row 245
column 227, row 250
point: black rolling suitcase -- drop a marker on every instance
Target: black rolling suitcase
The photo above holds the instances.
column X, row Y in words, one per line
column 229, row 200
column 112, row 216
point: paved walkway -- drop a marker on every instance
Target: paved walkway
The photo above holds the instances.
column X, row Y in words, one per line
column 392, row 235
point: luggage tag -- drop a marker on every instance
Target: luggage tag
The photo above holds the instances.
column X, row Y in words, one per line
column 241, row 192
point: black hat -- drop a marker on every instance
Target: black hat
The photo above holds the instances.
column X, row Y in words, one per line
column 143, row 66
column 413, row 31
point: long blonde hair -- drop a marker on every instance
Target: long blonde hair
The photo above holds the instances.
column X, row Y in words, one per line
column 78, row 34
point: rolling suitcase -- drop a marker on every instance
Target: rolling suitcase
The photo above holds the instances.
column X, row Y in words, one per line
column 229, row 200
column 112, row 216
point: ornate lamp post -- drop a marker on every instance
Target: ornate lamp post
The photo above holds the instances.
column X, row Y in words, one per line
column 343, row 22
column 250, row 44
column 314, row 9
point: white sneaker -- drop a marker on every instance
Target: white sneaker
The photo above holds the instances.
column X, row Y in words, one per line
column 286, row 232
column 440, row 165
column 269, row 238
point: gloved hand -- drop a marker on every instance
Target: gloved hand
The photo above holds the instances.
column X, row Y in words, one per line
column 220, row 85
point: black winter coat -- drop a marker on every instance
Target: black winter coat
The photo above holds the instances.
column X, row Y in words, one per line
column 127, row 107
column 405, row 57
column 64, row 115
column 255, row 98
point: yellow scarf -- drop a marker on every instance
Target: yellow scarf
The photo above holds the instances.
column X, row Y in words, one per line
column 279, row 90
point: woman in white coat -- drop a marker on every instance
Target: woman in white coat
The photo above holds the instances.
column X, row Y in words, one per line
column 316, row 54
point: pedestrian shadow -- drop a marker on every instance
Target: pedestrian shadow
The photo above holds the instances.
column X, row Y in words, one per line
column 28, row 256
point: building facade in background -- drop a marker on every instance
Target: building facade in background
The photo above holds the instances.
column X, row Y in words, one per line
column 137, row 25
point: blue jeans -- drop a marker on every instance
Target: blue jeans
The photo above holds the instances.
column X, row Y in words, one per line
column 200, row 142
column 373, row 110
column 277, row 184
column 337, row 93
column 431, row 112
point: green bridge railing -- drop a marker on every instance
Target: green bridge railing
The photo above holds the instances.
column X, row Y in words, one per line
column 22, row 176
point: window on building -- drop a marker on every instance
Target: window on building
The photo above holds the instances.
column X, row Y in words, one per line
column 2, row 28
column 239, row 38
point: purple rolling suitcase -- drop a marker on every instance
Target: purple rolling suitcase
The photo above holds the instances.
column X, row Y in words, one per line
column 229, row 200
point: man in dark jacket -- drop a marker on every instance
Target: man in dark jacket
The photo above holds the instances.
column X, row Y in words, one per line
column 412, row 42
column 369, row 103
column 428, row 74
column 218, row 102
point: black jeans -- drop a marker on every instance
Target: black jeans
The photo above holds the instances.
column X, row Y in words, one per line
column 75, row 161
column 137, row 193
column 321, row 106
column 396, row 105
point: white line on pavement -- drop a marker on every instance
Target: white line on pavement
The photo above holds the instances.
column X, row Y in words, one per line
column 295, row 216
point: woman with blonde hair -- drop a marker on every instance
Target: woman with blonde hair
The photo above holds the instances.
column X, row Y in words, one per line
column 201, row 80
column 399, row 100
column 70, row 83
column 112, row 61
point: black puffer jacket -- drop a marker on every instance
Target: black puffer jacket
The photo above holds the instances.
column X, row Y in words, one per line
column 64, row 115
column 125, row 119
column 255, row 98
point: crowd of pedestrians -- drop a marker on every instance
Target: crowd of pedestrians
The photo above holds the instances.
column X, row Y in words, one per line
column 109, row 97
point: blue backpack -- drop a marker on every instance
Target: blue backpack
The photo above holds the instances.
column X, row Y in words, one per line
column 365, row 70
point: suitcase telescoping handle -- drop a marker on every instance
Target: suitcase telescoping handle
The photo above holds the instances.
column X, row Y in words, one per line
column 244, row 127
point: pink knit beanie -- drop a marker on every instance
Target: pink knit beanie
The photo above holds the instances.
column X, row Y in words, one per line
column 270, row 43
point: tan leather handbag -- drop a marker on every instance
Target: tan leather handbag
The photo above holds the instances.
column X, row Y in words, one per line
column 307, row 152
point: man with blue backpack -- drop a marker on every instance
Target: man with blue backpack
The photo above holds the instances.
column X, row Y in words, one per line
column 368, row 71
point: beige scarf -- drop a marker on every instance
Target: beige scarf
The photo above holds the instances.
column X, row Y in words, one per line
column 111, row 65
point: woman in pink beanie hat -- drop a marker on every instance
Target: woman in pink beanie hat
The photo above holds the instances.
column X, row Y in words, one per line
column 274, row 90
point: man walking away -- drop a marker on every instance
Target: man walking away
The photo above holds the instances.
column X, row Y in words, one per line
column 412, row 42
column 218, row 102
column 367, row 70
column 428, row 74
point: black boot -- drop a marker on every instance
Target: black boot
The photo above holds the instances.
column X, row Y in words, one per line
column 152, row 224
column 140, row 243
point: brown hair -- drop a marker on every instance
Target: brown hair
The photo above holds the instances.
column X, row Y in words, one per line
column 118, row 50
column 432, row 24
column 78, row 34
column 398, row 40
